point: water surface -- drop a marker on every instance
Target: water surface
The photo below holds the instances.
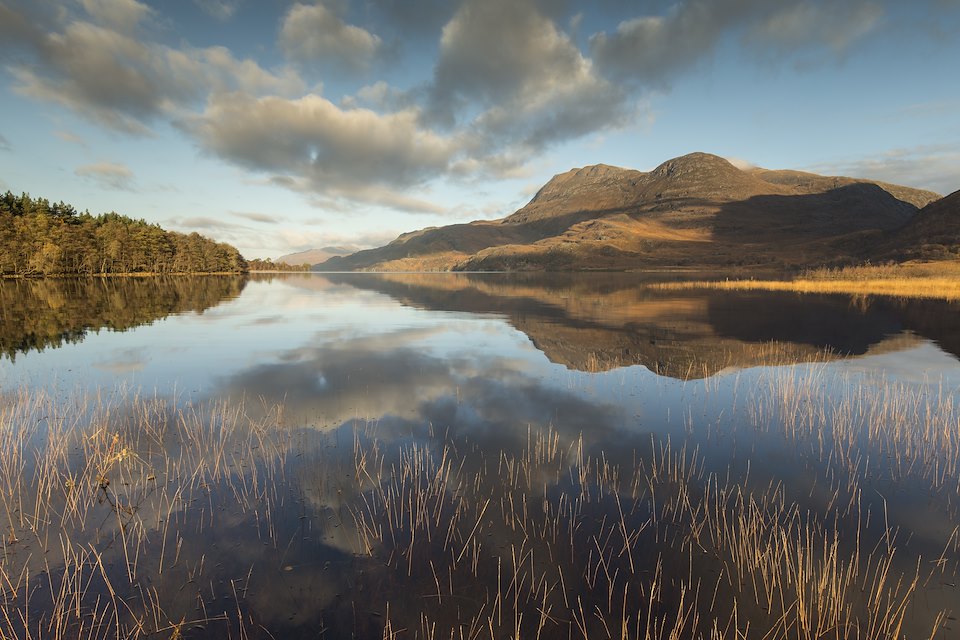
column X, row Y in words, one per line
column 476, row 455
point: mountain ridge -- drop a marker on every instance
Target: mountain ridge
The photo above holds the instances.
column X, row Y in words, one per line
column 316, row 256
column 694, row 210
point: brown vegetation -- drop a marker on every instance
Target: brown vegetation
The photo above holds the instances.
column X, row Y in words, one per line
column 146, row 519
column 936, row 280
column 697, row 210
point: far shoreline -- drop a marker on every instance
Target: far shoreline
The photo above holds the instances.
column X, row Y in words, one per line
column 928, row 280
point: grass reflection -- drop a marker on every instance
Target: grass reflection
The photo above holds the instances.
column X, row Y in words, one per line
column 154, row 517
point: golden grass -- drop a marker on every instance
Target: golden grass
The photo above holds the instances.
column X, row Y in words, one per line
column 937, row 280
column 105, row 505
column 930, row 288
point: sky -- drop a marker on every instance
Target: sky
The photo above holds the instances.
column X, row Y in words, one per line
column 283, row 126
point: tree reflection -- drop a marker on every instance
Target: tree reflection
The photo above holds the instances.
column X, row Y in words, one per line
column 48, row 313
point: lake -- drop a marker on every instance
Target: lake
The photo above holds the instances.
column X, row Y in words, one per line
column 475, row 456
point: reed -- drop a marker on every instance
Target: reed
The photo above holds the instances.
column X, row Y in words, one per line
column 117, row 508
column 938, row 288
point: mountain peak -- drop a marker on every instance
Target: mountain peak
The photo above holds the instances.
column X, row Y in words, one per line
column 693, row 165
column 698, row 209
column 564, row 185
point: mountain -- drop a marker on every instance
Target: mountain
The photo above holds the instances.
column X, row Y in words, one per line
column 932, row 234
column 316, row 256
column 697, row 210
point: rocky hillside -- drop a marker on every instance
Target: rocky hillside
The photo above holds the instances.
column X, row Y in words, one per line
column 932, row 234
column 697, row 210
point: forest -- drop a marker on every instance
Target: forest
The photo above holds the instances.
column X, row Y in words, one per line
column 40, row 238
column 266, row 264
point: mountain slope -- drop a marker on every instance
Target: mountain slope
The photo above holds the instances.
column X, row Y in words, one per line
column 315, row 256
column 695, row 210
column 932, row 234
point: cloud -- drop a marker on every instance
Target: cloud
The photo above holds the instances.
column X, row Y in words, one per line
column 740, row 163
column 124, row 361
column 72, row 138
column 511, row 79
column 21, row 26
column 4, row 143
column 314, row 34
column 531, row 83
column 312, row 139
column 652, row 49
column 108, row 175
column 344, row 198
column 121, row 15
column 417, row 17
column 206, row 223
column 258, row 217
column 808, row 25
column 932, row 167
column 380, row 96
column 125, row 82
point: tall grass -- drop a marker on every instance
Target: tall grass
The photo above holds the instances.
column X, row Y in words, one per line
column 151, row 517
column 936, row 280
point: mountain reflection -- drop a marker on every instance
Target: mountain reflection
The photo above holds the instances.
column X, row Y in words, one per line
column 596, row 322
column 48, row 313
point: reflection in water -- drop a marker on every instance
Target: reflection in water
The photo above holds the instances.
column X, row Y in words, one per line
column 404, row 471
column 37, row 314
column 601, row 321
column 561, row 519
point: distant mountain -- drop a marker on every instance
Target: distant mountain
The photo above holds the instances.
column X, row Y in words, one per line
column 932, row 234
column 316, row 256
column 697, row 210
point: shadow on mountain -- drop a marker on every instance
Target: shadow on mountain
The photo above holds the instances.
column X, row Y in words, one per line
column 36, row 314
column 812, row 228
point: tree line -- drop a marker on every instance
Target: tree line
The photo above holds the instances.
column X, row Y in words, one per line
column 41, row 238
column 258, row 264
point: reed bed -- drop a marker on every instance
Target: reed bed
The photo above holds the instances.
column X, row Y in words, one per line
column 937, row 288
column 931, row 280
column 145, row 517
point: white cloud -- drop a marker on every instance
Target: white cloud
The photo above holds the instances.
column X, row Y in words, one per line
column 740, row 163
column 509, row 81
column 932, row 167
column 125, row 82
column 315, row 34
column 253, row 216
column 108, row 175
column 313, row 139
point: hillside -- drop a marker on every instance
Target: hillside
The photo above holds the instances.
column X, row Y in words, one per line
column 697, row 210
column 315, row 256
column 932, row 234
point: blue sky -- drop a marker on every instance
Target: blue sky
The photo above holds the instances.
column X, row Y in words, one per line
column 282, row 126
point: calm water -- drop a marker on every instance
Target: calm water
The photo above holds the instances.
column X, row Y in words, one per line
column 475, row 456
